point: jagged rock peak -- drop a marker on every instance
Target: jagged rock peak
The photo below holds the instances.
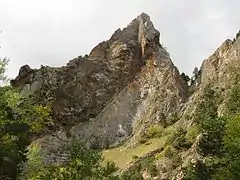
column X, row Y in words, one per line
column 146, row 30
column 141, row 31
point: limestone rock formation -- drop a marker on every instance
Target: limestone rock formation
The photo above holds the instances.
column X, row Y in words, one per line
column 112, row 90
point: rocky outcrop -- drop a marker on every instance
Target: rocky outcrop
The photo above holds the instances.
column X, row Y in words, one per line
column 124, row 84
column 134, row 108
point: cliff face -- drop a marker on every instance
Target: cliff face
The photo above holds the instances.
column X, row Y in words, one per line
column 105, row 96
column 126, row 85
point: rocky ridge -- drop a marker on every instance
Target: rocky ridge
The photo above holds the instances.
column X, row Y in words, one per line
column 107, row 93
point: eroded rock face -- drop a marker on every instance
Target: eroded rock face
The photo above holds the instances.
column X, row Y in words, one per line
column 23, row 77
column 125, row 84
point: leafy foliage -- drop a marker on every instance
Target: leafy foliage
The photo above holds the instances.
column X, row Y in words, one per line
column 197, row 171
column 185, row 77
column 154, row 131
column 170, row 120
column 136, row 172
column 211, row 126
column 231, row 139
column 83, row 164
column 20, row 119
column 178, row 140
column 233, row 103
column 133, row 173
column 221, row 138
column 192, row 134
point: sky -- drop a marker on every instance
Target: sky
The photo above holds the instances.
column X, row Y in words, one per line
column 52, row 32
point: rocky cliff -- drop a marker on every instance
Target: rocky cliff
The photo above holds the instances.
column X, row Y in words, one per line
column 125, row 86
column 106, row 95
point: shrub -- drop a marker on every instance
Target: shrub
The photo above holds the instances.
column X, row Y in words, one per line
column 154, row 131
column 83, row 164
column 232, row 135
column 150, row 165
column 169, row 131
column 233, row 103
column 177, row 139
column 168, row 152
column 213, row 132
column 21, row 119
column 192, row 133
column 211, row 126
column 195, row 172
column 134, row 173
column 172, row 119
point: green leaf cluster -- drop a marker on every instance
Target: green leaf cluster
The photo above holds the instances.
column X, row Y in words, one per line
column 20, row 120
column 82, row 164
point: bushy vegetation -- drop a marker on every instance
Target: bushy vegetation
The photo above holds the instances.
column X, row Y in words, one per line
column 136, row 172
column 220, row 142
column 82, row 164
column 170, row 120
column 192, row 133
column 212, row 127
column 177, row 139
column 233, row 103
column 20, row 120
column 154, row 131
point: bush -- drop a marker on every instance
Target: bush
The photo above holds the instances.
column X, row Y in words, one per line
column 177, row 139
column 134, row 173
column 83, row 163
column 168, row 152
column 213, row 132
column 232, row 135
column 172, row 119
column 212, row 127
column 154, row 131
column 233, row 103
column 220, row 140
column 230, row 167
column 150, row 165
column 196, row 172
column 21, row 119
column 169, row 131
column 192, row 133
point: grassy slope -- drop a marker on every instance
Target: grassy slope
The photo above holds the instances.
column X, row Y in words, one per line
column 122, row 156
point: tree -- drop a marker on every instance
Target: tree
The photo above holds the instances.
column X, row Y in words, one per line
column 20, row 119
column 211, row 126
column 185, row 77
column 83, row 164
column 233, row 103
